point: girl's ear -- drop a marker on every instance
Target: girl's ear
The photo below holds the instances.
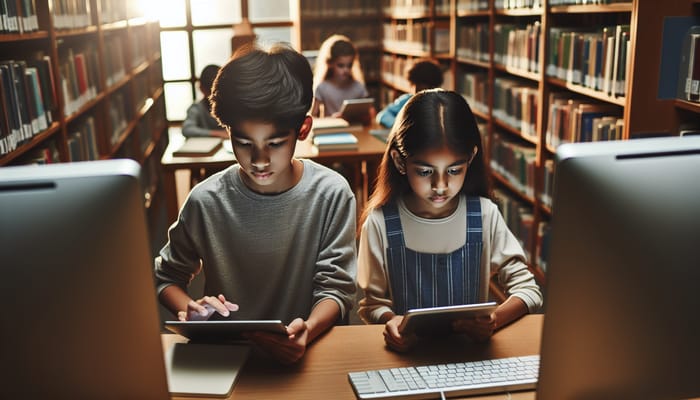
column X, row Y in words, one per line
column 305, row 128
column 399, row 162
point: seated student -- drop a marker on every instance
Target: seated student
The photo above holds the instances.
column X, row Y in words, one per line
column 274, row 235
column 424, row 74
column 338, row 77
column 199, row 121
column 447, row 236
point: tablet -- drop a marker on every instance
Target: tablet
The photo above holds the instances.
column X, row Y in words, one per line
column 438, row 320
column 356, row 110
column 222, row 331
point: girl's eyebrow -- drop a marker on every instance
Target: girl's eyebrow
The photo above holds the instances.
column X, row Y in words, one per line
column 425, row 164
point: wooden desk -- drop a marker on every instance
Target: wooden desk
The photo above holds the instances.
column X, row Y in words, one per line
column 322, row 373
column 363, row 162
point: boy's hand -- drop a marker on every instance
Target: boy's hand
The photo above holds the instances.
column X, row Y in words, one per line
column 394, row 340
column 286, row 349
column 203, row 308
column 480, row 329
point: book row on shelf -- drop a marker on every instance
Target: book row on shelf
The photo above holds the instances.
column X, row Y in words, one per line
column 339, row 8
column 403, row 8
column 598, row 60
column 417, row 37
column 14, row 19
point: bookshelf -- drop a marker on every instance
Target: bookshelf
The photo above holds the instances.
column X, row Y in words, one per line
column 356, row 19
column 507, row 59
column 93, row 87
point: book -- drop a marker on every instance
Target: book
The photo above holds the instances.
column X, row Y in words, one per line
column 198, row 147
column 325, row 125
column 335, row 141
column 692, row 80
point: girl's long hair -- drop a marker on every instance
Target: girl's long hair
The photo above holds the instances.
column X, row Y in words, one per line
column 333, row 47
column 430, row 119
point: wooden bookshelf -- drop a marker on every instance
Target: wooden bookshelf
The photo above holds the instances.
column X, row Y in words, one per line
column 477, row 66
column 107, row 87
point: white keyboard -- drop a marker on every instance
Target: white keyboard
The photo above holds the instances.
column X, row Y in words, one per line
column 446, row 380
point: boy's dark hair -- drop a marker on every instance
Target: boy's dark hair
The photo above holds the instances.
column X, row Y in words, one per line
column 206, row 78
column 425, row 74
column 268, row 86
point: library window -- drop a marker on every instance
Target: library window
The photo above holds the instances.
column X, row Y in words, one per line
column 196, row 33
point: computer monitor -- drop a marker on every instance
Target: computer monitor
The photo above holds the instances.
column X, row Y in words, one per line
column 622, row 311
column 79, row 317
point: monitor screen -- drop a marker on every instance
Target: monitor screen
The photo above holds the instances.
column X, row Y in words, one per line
column 621, row 303
column 79, row 316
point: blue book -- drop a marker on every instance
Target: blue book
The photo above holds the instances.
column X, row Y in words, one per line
column 335, row 141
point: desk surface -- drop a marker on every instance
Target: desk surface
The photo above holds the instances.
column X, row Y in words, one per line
column 368, row 146
column 322, row 373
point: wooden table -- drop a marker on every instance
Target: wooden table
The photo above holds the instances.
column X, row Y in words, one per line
column 322, row 373
column 362, row 164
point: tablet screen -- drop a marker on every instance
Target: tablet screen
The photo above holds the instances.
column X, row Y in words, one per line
column 222, row 331
column 356, row 110
column 438, row 320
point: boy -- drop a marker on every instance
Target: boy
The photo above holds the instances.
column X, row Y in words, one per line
column 424, row 74
column 274, row 234
column 199, row 121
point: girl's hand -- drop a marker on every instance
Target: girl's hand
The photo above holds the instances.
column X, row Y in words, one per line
column 480, row 329
column 394, row 340
column 203, row 308
column 286, row 349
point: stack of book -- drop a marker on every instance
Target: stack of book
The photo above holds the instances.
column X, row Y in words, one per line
column 334, row 134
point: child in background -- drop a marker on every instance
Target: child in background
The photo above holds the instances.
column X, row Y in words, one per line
column 430, row 234
column 274, row 235
column 199, row 121
column 338, row 77
column 424, row 74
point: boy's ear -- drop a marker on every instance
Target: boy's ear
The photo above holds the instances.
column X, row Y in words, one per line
column 305, row 128
column 399, row 162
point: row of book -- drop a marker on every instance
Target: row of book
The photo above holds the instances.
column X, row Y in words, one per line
column 571, row 119
column 362, row 35
column 473, row 41
column 515, row 103
column 689, row 79
column 597, row 60
column 18, row 18
column 517, row 4
column 517, row 46
column 515, row 162
column 584, row 2
column 472, row 5
column 519, row 218
column 27, row 100
column 339, row 8
column 475, row 88
column 415, row 37
column 82, row 140
column 415, row 7
column 79, row 77
column 71, row 14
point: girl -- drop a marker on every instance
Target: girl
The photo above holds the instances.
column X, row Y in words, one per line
column 430, row 235
column 338, row 76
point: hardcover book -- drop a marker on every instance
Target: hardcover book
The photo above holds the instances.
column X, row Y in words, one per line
column 335, row 141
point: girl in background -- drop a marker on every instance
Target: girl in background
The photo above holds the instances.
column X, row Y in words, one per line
column 338, row 76
column 430, row 234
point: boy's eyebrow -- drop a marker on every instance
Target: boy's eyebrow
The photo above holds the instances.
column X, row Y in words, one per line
column 276, row 135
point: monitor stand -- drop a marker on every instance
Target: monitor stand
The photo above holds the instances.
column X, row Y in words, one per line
column 198, row 369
